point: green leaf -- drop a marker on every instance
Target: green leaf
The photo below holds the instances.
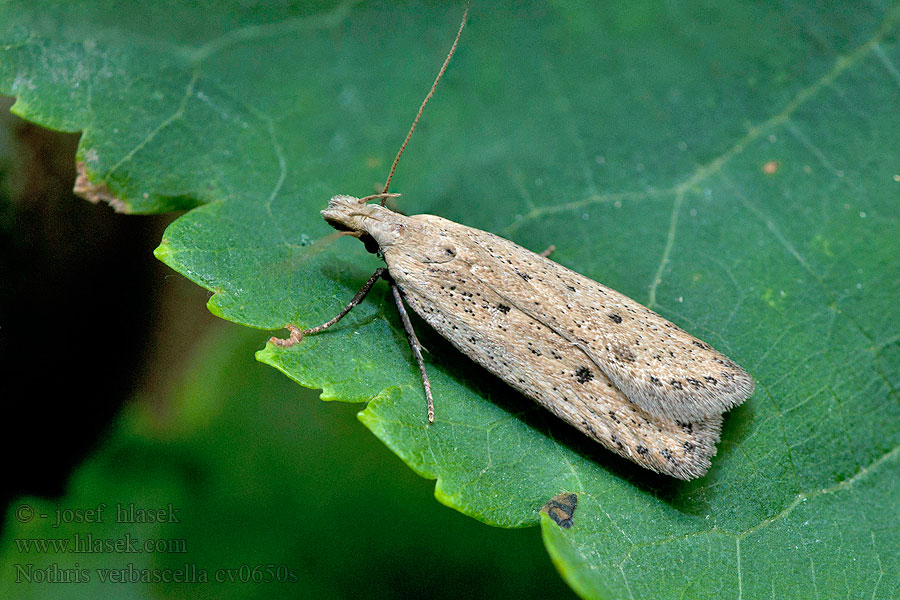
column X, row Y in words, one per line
column 733, row 167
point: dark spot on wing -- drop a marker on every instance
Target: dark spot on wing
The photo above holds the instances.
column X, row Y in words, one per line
column 623, row 354
column 583, row 374
column 503, row 308
column 642, row 450
column 615, row 318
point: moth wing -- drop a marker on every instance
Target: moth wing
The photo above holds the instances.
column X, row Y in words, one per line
column 660, row 367
column 532, row 358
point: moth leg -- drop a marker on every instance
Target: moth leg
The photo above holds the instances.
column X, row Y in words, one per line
column 546, row 253
column 297, row 334
column 415, row 346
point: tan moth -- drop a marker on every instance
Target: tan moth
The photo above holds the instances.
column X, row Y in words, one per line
column 622, row 374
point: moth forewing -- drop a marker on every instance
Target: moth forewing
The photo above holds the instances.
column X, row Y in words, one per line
column 451, row 280
column 551, row 371
column 660, row 367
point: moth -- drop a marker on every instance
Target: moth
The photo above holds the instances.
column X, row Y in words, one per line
column 620, row 373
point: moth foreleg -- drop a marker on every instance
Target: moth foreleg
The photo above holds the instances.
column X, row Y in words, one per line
column 297, row 334
column 415, row 346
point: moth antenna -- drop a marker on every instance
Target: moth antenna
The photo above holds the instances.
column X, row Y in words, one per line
column 424, row 102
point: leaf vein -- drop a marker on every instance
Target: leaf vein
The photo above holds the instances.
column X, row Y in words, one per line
column 178, row 114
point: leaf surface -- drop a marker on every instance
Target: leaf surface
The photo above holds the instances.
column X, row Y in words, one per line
column 733, row 167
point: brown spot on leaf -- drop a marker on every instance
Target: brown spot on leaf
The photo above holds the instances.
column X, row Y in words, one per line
column 561, row 509
column 96, row 192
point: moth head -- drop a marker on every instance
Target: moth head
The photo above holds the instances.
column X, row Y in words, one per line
column 375, row 225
